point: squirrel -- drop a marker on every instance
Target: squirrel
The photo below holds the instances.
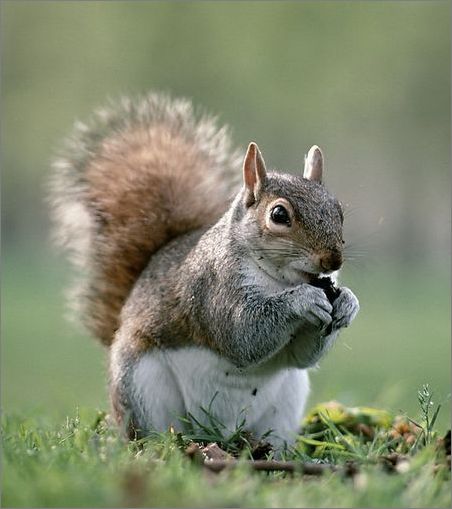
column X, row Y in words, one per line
column 204, row 290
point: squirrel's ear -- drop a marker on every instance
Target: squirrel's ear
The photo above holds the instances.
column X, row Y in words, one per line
column 254, row 173
column 313, row 164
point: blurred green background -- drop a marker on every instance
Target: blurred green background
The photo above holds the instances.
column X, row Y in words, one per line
column 367, row 81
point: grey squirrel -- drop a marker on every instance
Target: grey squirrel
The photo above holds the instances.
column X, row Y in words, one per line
column 206, row 292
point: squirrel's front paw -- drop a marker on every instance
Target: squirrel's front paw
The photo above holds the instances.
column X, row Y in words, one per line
column 345, row 308
column 313, row 307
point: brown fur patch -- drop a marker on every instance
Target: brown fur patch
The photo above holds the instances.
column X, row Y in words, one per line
column 140, row 172
column 146, row 187
column 123, row 420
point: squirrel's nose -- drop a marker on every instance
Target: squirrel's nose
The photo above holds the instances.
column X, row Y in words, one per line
column 332, row 260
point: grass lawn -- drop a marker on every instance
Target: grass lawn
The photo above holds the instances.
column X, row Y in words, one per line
column 84, row 463
column 58, row 450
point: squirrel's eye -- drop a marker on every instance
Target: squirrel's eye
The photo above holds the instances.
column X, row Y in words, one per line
column 279, row 215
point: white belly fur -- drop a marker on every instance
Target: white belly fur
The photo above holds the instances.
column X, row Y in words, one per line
column 171, row 383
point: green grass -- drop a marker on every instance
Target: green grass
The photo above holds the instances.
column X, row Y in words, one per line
column 83, row 462
column 400, row 341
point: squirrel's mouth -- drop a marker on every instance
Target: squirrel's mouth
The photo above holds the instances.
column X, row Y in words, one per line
column 313, row 276
column 307, row 273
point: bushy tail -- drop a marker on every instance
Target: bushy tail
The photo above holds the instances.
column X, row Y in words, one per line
column 138, row 174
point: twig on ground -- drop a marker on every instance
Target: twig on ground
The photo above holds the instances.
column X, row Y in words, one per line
column 210, row 458
column 271, row 466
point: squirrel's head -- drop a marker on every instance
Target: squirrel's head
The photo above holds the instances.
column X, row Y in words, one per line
column 294, row 226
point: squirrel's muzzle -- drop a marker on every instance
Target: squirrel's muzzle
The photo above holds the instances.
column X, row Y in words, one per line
column 331, row 260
